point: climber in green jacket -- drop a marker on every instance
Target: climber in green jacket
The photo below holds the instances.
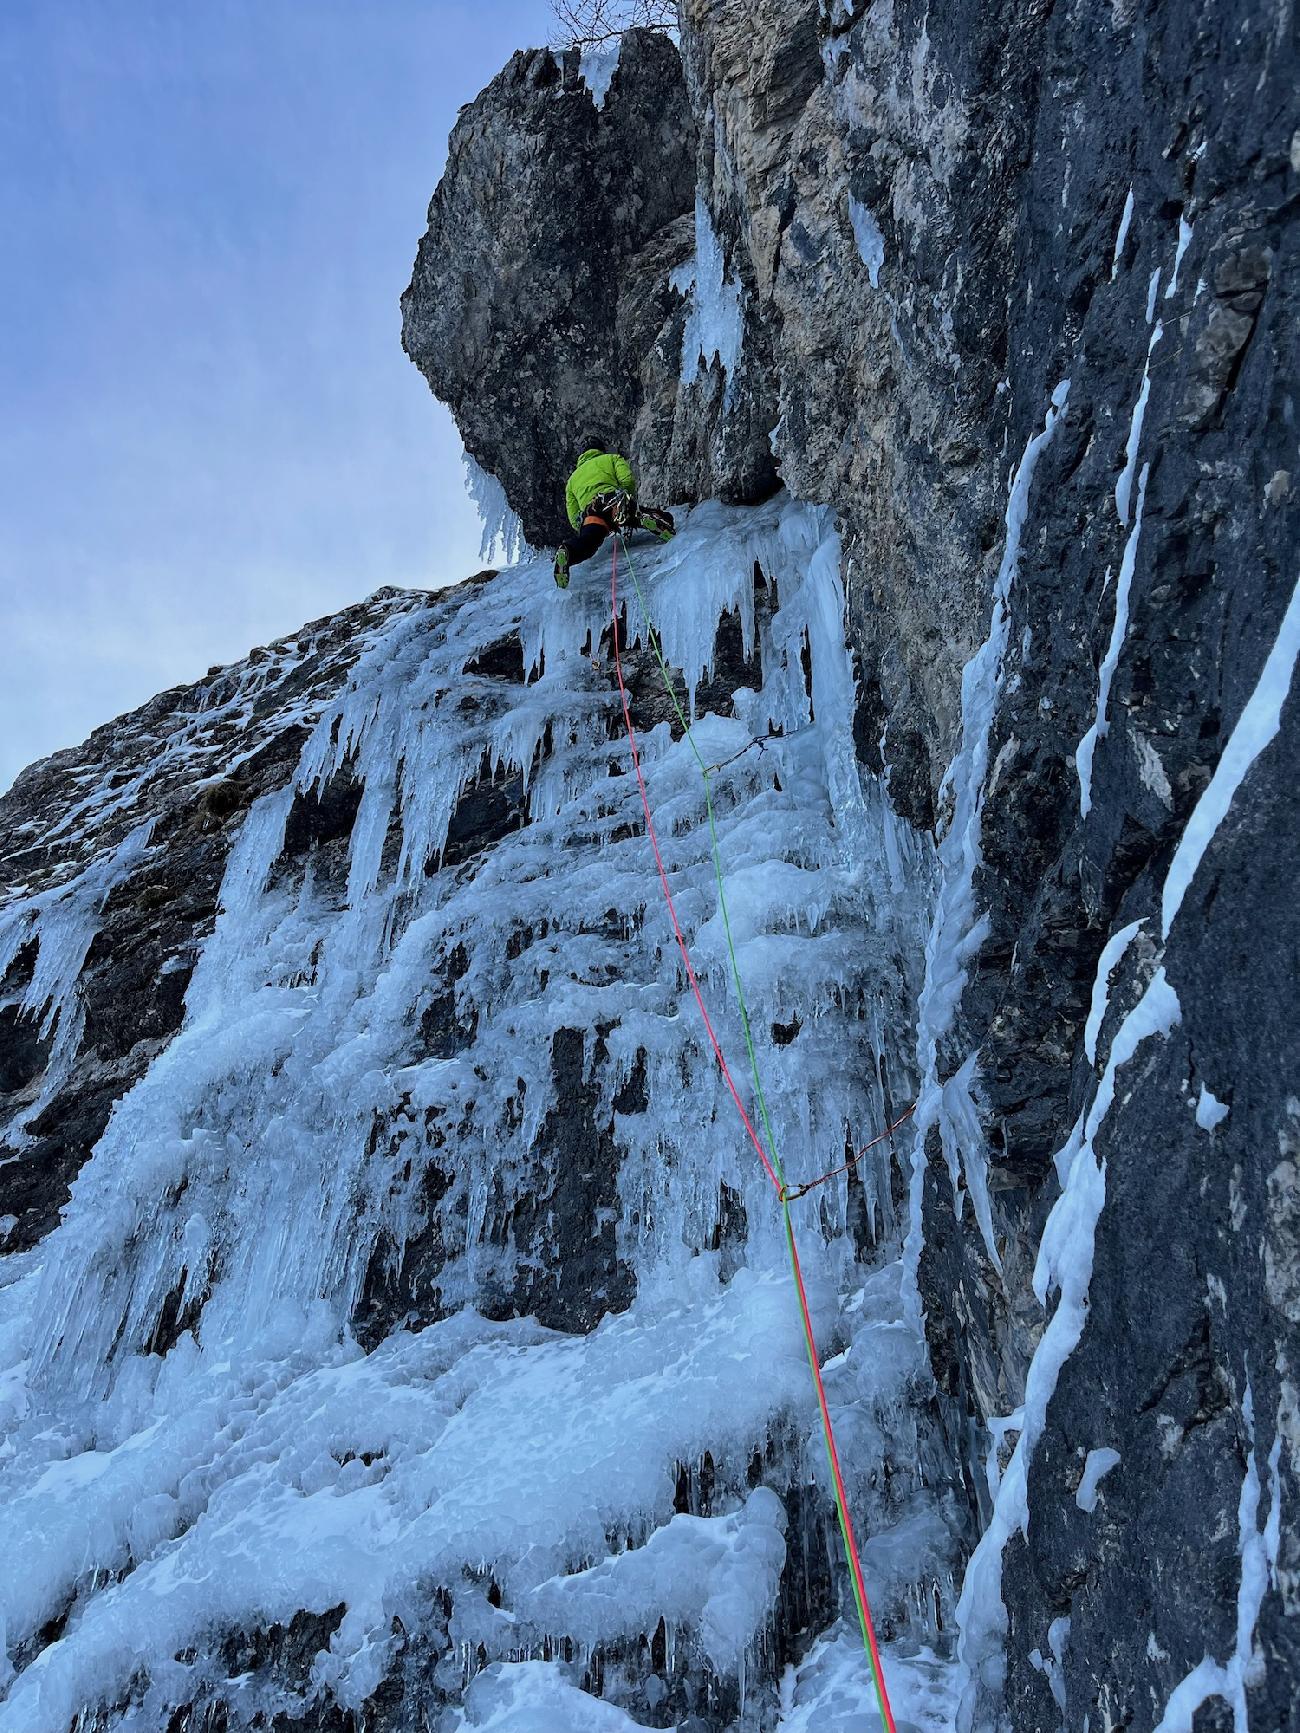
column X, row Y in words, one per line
column 601, row 498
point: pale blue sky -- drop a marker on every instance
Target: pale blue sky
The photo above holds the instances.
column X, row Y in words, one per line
column 208, row 430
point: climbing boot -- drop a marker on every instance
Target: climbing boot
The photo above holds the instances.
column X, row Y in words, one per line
column 659, row 523
column 562, row 569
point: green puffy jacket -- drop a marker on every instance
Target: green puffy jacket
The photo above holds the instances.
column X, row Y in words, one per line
column 597, row 472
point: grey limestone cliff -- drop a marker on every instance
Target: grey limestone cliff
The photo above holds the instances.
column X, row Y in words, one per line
column 395, row 1328
column 933, row 221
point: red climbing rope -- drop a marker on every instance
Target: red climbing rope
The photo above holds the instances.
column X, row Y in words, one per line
column 783, row 1195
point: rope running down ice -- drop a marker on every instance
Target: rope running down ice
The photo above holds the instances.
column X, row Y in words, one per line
column 771, row 1161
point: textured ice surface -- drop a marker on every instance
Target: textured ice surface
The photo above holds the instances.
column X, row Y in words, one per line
column 956, row 932
column 597, row 67
column 534, row 1697
column 870, row 241
column 715, row 324
column 825, row 1693
column 526, row 1482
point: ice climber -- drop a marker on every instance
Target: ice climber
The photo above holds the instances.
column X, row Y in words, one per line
column 601, row 498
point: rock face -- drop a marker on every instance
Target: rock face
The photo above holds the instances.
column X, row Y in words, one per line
column 930, row 223
column 367, row 1179
column 542, row 282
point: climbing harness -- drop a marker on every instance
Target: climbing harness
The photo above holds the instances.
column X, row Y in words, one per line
column 771, row 1161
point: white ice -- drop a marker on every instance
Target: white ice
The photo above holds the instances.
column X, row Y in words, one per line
column 1087, row 748
column 597, row 67
column 1209, row 1110
column 1125, row 220
column 1111, row 956
column 715, row 324
column 1095, row 1469
column 1256, row 729
column 1184, row 241
column 956, row 932
column 1258, row 1551
column 871, row 242
column 264, row 1464
column 1064, row 1267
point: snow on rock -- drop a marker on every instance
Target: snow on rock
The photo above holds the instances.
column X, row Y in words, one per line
column 1210, row 1111
column 1095, row 1469
column 1256, row 728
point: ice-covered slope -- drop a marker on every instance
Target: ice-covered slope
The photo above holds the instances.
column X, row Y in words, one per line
column 908, row 227
column 421, row 1319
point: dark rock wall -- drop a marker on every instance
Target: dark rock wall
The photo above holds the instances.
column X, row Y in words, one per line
column 923, row 208
column 542, row 280
column 1191, row 107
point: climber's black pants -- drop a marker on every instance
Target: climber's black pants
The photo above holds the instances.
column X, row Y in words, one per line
column 587, row 540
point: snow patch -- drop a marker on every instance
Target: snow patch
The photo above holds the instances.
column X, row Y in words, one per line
column 1257, row 728
column 1209, row 1110
column 1095, row 1469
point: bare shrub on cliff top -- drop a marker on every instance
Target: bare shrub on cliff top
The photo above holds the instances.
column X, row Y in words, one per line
column 593, row 23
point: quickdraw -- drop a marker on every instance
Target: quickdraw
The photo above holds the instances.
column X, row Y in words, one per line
column 792, row 1192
